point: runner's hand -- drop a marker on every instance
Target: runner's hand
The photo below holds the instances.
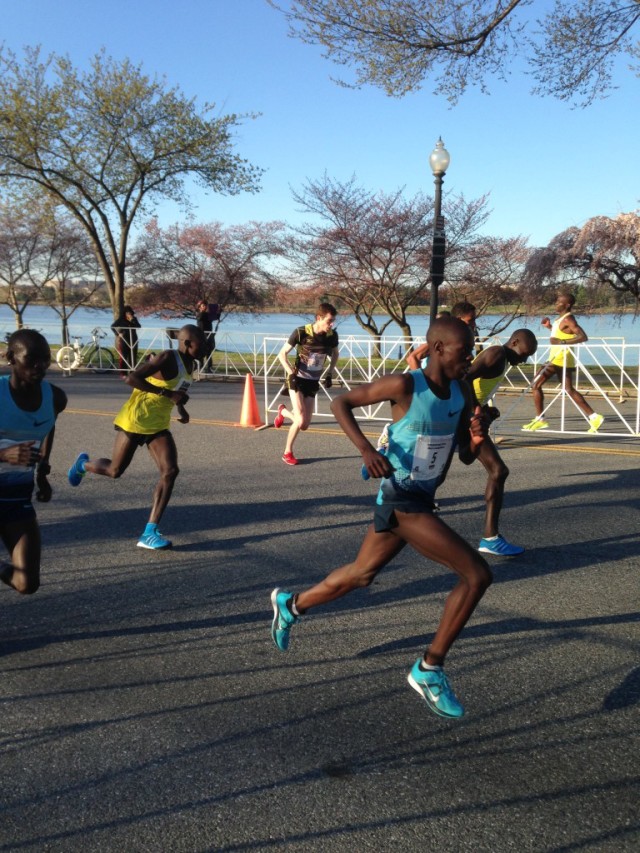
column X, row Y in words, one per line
column 20, row 454
column 183, row 415
column 477, row 428
column 328, row 381
column 490, row 413
column 377, row 464
column 43, row 490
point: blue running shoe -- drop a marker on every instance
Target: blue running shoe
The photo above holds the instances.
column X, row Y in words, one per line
column 283, row 618
column 153, row 540
column 499, row 547
column 434, row 687
column 77, row 472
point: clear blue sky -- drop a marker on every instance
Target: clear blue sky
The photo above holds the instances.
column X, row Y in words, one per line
column 545, row 166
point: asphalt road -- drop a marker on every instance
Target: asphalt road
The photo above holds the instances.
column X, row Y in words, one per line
column 144, row 707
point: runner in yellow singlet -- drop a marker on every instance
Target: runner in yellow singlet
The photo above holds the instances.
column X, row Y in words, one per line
column 158, row 385
column 565, row 333
column 486, row 373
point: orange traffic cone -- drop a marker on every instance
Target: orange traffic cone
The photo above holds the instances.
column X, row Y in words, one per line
column 250, row 417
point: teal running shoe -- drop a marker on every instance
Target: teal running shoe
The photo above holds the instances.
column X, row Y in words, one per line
column 77, row 472
column 433, row 685
column 153, row 540
column 283, row 618
column 499, row 547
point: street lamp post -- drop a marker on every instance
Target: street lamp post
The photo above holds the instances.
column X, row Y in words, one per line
column 439, row 161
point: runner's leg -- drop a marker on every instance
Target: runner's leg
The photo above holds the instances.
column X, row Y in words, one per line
column 301, row 411
column 432, row 538
column 165, row 455
column 22, row 541
column 536, row 389
column 376, row 551
column 124, row 448
column 575, row 395
column 497, row 473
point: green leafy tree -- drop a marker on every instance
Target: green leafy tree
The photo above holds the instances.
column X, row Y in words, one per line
column 21, row 247
column 46, row 256
column 398, row 44
column 109, row 143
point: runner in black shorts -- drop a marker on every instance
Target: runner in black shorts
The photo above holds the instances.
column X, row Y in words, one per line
column 432, row 415
column 158, row 385
column 313, row 343
column 29, row 407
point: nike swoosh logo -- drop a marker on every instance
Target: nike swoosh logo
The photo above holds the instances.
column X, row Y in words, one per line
column 40, row 423
column 451, row 414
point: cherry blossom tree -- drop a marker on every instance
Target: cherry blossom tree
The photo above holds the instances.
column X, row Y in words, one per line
column 372, row 251
column 232, row 266
column 604, row 252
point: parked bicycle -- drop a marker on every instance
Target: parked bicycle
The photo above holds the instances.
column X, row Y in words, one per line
column 94, row 356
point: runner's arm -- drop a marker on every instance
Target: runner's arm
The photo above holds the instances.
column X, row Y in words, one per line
column 335, row 355
column 43, row 487
column 416, row 355
column 283, row 359
column 395, row 388
column 571, row 327
column 163, row 364
column 472, row 429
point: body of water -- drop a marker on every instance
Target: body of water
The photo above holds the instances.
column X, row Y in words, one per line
column 281, row 325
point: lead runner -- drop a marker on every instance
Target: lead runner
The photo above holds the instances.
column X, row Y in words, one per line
column 432, row 414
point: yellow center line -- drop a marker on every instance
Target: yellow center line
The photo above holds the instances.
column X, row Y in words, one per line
column 331, row 431
column 609, row 451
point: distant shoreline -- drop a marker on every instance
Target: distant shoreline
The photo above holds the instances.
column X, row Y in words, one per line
column 417, row 310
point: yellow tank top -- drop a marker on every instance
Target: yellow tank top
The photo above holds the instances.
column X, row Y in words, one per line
column 484, row 389
column 559, row 355
column 147, row 414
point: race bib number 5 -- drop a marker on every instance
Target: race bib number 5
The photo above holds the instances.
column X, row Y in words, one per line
column 430, row 456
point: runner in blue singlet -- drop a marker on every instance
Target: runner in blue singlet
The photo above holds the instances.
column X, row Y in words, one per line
column 432, row 415
column 29, row 407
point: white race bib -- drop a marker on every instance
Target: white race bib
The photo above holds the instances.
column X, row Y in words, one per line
column 315, row 360
column 430, row 456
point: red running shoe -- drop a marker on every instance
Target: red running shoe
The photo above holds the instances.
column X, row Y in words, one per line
column 289, row 458
column 279, row 418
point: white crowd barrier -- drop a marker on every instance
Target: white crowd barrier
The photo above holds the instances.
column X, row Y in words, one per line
column 607, row 373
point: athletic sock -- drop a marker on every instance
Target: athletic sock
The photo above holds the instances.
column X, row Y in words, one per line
column 491, row 538
column 427, row 667
column 292, row 607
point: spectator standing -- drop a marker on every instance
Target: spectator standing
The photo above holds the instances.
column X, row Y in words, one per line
column 205, row 324
column 125, row 330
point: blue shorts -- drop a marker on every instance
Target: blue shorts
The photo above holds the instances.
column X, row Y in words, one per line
column 391, row 498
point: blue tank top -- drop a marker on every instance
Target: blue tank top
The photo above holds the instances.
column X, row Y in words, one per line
column 16, row 426
column 422, row 442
